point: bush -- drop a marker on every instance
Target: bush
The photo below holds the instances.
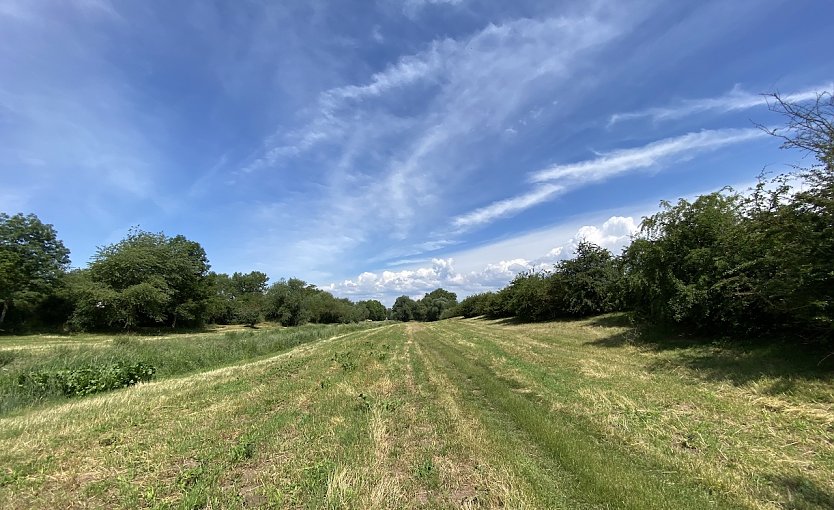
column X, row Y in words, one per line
column 85, row 381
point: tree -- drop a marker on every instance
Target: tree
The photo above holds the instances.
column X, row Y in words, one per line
column 376, row 311
column 589, row 281
column 32, row 259
column 679, row 270
column 145, row 279
column 528, row 296
column 436, row 302
column 249, row 283
column 809, row 128
column 798, row 228
column 403, row 309
column 287, row 302
column 472, row 306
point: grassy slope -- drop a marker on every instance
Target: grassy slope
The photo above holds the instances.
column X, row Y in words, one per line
column 469, row 414
column 172, row 355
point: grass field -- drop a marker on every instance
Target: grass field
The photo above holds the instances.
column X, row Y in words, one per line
column 455, row 414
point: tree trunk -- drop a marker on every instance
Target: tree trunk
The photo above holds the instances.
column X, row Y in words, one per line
column 5, row 309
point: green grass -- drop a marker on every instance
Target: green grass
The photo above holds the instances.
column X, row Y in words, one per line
column 456, row 414
column 170, row 355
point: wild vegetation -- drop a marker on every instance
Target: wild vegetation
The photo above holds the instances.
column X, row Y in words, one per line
column 35, row 369
column 450, row 414
column 739, row 263
column 170, row 400
column 756, row 262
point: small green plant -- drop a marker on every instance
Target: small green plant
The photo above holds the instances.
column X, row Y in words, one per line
column 345, row 361
column 243, row 450
column 189, row 476
column 426, row 471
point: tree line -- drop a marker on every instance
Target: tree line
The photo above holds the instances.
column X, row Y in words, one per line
column 761, row 261
column 728, row 262
column 146, row 280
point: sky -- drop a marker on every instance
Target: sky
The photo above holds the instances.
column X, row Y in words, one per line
column 378, row 148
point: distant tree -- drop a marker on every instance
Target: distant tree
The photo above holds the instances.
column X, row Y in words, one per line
column 528, row 297
column 473, row 306
column 32, row 260
column 220, row 305
column 249, row 309
column 588, row 283
column 287, row 302
column 403, row 309
column 436, row 302
column 376, row 311
column 254, row 282
column 246, row 293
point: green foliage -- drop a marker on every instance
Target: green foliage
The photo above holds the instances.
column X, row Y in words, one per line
column 529, row 296
column 437, row 302
column 294, row 302
column 404, row 309
column 171, row 355
column 286, row 302
column 433, row 306
column 589, row 283
column 145, row 279
column 376, row 311
column 86, row 380
column 678, row 270
column 475, row 305
column 32, row 260
column 236, row 299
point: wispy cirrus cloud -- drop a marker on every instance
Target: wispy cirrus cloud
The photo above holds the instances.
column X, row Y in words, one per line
column 507, row 206
column 736, row 99
column 650, row 155
column 559, row 179
column 381, row 158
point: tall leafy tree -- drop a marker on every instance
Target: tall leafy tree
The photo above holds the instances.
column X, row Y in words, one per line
column 376, row 311
column 145, row 279
column 589, row 282
column 287, row 302
column 404, row 309
column 32, row 259
column 436, row 302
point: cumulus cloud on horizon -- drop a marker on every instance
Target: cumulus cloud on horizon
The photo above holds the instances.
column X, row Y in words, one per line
column 613, row 234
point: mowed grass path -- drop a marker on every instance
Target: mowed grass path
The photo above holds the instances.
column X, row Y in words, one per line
column 455, row 414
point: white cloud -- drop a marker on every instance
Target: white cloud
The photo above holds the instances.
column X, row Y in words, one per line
column 507, row 207
column 736, row 99
column 613, row 234
column 381, row 165
column 653, row 154
column 558, row 179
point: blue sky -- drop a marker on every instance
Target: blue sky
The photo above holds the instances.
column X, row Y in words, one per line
column 379, row 148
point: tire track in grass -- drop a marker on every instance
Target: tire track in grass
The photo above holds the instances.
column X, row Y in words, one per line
column 602, row 475
column 504, row 488
column 709, row 432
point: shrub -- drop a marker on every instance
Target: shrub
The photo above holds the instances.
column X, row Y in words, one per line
column 86, row 380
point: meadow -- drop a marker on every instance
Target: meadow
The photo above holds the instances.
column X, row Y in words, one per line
column 452, row 414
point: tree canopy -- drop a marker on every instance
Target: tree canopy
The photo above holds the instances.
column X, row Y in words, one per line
column 32, row 260
column 145, row 279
